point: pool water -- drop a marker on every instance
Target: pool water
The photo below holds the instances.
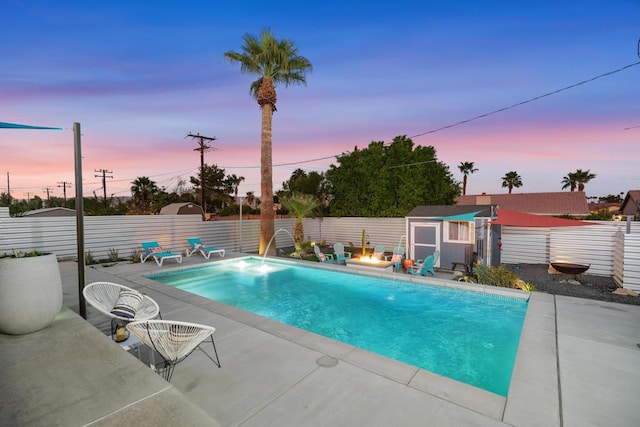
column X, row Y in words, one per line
column 467, row 336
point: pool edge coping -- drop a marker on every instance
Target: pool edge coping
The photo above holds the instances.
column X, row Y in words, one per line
column 464, row 395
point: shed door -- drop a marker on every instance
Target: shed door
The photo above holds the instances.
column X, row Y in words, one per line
column 425, row 238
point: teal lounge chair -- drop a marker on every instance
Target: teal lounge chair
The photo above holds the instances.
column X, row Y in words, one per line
column 195, row 244
column 322, row 257
column 396, row 258
column 153, row 249
column 339, row 253
column 378, row 252
column 424, row 268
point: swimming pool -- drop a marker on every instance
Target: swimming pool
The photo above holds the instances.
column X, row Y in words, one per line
column 467, row 336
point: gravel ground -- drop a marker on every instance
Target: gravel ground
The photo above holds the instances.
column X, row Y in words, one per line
column 588, row 286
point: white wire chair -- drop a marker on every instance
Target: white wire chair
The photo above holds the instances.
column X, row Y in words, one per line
column 174, row 341
column 103, row 297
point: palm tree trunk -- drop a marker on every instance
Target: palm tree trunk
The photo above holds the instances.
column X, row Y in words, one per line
column 267, row 226
column 464, row 185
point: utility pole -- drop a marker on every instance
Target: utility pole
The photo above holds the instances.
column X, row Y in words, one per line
column 104, row 176
column 26, row 193
column 64, row 185
column 202, row 147
column 8, row 188
column 48, row 190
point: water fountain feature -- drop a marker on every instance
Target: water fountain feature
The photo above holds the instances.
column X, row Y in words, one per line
column 404, row 236
column 271, row 240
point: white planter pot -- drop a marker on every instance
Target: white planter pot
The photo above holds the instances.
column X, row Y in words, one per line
column 30, row 293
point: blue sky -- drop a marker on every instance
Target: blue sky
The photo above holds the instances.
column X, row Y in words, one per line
column 140, row 76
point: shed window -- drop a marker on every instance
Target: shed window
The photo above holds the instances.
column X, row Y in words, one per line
column 458, row 231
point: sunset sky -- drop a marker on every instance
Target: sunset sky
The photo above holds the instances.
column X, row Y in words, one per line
column 139, row 76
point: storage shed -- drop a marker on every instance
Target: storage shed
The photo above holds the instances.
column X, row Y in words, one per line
column 182, row 209
column 49, row 212
column 456, row 232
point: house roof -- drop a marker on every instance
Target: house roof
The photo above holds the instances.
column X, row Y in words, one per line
column 439, row 211
column 557, row 203
column 598, row 206
column 631, row 203
column 520, row 219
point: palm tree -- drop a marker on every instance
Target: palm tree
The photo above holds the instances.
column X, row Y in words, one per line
column 274, row 61
column 142, row 191
column 300, row 205
column 511, row 180
column 583, row 177
column 233, row 182
column 251, row 198
column 466, row 168
column 569, row 181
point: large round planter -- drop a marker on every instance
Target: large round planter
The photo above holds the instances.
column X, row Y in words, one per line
column 30, row 293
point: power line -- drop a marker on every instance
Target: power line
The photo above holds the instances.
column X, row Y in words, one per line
column 527, row 101
column 476, row 117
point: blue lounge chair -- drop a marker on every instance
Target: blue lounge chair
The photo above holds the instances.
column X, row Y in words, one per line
column 197, row 245
column 153, row 249
column 322, row 257
column 340, row 254
column 423, row 268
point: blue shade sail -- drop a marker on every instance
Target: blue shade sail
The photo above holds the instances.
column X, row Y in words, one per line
column 5, row 125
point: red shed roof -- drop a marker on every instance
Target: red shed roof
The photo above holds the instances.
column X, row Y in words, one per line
column 519, row 219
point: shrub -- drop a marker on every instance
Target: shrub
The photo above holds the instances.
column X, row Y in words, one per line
column 135, row 255
column 113, row 255
column 495, row 276
column 20, row 254
column 88, row 258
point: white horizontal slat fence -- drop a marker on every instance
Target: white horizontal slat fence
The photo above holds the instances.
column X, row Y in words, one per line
column 525, row 245
column 631, row 263
column 607, row 247
column 347, row 230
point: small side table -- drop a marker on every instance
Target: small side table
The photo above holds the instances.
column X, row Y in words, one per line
column 463, row 264
column 133, row 344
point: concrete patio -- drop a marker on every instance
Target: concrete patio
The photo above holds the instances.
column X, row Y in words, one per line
column 577, row 365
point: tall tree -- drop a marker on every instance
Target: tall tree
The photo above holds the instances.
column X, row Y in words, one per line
column 466, row 168
column 233, row 182
column 511, row 180
column 142, row 190
column 583, row 177
column 273, row 61
column 389, row 180
column 216, row 186
column 569, row 181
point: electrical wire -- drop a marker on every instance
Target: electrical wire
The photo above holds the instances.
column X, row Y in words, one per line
column 536, row 98
column 481, row 116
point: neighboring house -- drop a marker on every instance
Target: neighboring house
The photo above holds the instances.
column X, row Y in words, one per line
column 49, row 212
column 573, row 203
column 456, row 231
column 631, row 204
column 611, row 208
column 182, row 209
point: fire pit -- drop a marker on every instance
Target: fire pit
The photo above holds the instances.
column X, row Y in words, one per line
column 368, row 262
column 570, row 268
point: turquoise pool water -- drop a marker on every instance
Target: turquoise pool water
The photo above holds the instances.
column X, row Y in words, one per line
column 468, row 336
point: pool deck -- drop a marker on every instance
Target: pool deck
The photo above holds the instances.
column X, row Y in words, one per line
column 578, row 364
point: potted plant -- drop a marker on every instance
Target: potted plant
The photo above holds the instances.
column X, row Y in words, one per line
column 30, row 291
